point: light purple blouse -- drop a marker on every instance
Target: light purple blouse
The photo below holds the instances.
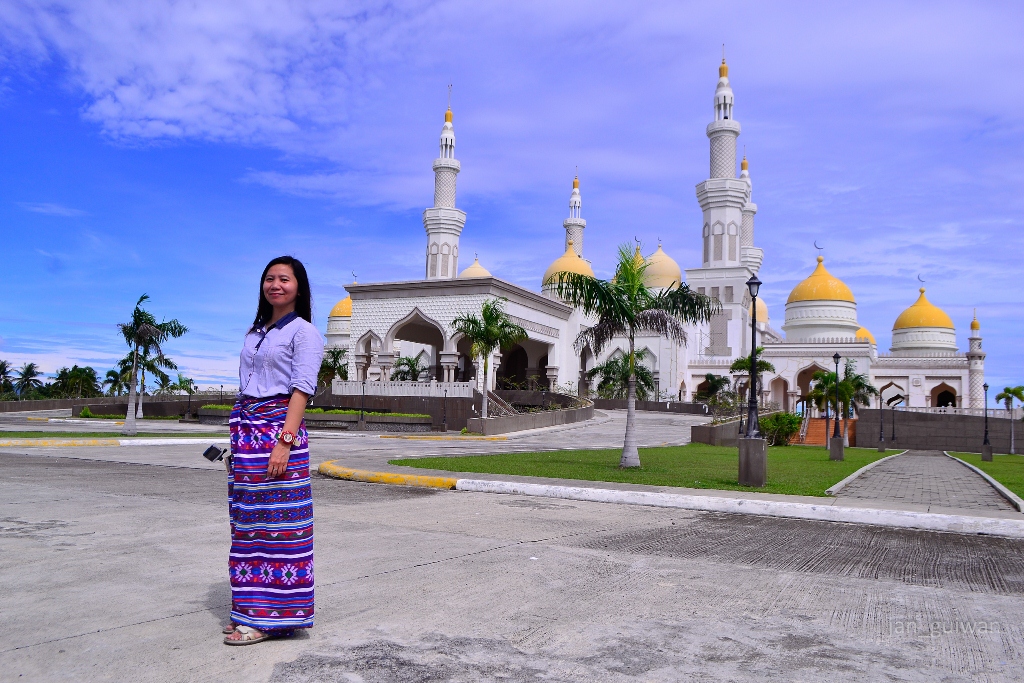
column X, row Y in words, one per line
column 277, row 360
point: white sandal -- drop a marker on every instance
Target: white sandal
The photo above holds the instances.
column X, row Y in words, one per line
column 249, row 636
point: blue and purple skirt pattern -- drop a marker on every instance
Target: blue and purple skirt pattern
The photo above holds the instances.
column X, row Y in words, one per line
column 271, row 558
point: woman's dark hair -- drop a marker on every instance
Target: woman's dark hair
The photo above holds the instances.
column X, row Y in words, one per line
column 303, row 298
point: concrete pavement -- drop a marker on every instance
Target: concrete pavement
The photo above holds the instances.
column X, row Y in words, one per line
column 117, row 572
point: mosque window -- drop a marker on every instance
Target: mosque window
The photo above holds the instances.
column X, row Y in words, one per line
column 732, row 247
column 444, row 265
column 714, row 294
column 706, row 245
column 728, row 295
column 718, row 247
column 433, row 265
column 701, row 291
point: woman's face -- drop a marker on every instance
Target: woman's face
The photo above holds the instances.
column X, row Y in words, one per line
column 280, row 286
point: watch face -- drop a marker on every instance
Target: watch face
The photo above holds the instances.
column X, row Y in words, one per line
column 287, row 437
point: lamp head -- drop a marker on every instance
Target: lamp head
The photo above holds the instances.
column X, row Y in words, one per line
column 985, row 386
column 753, row 284
column 836, row 358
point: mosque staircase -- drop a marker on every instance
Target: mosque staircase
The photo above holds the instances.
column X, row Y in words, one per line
column 498, row 407
column 815, row 432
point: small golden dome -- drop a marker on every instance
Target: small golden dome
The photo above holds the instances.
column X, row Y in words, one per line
column 975, row 325
column 662, row 271
column 342, row 309
column 638, row 258
column 821, row 286
column 448, row 116
column 744, row 166
column 723, row 72
column 576, row 183
column 569, row 262
column 762, row 310
column 863, row 333
column 923, row 313
column 475, row 270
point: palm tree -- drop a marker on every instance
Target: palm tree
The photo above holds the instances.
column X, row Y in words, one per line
column 165, row 385
column 492, row 330
column 154, row 364
column 116, row 382
column 1006, row 396
column 624, row 306
column 28, row 379
column 715, row 384
column 333, row 366
column 77, row 382
column 855, row 390
column 742, row 365
column 407, row 369
column 614, row 374
column 5, row 377
column 823, row 394
column 143, row 331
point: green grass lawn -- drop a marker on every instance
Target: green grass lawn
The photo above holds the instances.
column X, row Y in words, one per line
column 4, row 435
column 1008, row 470
column 796, row 470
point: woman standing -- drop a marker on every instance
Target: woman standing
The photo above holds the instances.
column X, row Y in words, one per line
column 269, row 496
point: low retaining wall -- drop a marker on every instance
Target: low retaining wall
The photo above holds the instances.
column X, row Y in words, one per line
column 517, row 423
column 454, row 411
column 150, row 408
column 371, row 423
column 938, row 431
column 653, row 406
column 726, row 434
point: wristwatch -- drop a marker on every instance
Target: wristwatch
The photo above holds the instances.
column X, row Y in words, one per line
column 287, row 438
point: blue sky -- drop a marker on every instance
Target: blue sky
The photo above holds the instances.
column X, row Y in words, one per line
column 173, row 148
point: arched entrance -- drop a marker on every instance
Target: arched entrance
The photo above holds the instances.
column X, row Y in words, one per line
column 420, row 335
column 943, row 396
column 511, row 374
column 780, row 393
column 804, row 378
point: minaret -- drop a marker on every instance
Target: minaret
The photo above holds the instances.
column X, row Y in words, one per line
column 976, row 366
column 574, row 225
column 443, row 222
column 749, row 255
column 723, row 196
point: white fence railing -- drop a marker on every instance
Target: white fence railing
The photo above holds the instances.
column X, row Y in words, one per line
column 1001, row 413
column 428, row 389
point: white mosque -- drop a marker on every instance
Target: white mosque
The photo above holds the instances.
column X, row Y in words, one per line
column 379, row 322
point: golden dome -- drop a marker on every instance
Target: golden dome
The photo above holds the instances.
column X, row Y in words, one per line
column 576, row 183
column 723, row 72
column 662, row 271
column 569, row 262
column 863, row 333
column 342, row 309
column 762, row 310
column 744, row 166
column 821, row 286
column 975, row 325
column 448, row 116
column 923, row 314
column 475, row 270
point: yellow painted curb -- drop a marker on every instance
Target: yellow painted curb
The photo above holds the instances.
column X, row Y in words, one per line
column 329, row 469
column 50, row 443
column 445, row 438
column 38, row 419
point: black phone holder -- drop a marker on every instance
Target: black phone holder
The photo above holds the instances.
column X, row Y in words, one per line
column 214, row 453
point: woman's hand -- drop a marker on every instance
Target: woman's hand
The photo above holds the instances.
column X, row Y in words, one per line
column 278, row 462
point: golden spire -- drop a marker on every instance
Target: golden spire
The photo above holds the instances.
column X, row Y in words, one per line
column 723, row 71
column 576, row 183
column 744, row 166
column 975, row 325
column 448, row 116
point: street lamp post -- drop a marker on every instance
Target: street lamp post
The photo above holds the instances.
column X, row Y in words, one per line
column 835, row 446
column 753, row 428
column 362, row 407
column 753, row 450
column 986, row 447
column 881, row 425
column 444, row 411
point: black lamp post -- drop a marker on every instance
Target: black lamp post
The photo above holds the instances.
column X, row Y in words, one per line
column 753, row 431
column 881, row 424
column 985, row 387
column 362, row 406
column 444, row 411
column 836, row 433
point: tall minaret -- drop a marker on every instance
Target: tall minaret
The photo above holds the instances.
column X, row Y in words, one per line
column 723, row 196
column 976, row 366
column 443, row 222
column 749, row 254
column 574, row 225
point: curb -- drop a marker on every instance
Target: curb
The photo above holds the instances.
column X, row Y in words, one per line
column 444, row 438
column 55, row 443
column 900, row 519
column 1006, row 493
column 836, row 488
column 330, row 469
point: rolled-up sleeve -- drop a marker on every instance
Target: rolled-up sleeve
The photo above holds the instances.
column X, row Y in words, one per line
column 307, row 353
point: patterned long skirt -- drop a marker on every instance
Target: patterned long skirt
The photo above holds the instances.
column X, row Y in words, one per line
column 271, row 558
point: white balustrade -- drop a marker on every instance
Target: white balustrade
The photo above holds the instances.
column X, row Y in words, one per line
column 428, row 389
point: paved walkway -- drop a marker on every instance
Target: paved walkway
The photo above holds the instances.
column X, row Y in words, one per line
column 925, row 478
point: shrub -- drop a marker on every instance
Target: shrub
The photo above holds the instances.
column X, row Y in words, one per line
column 215, row 406
column 85, row 412
column 779, row 428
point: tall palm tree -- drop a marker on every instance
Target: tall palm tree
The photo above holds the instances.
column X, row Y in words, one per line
column 1006, row 396
column 624, row 306
column 6, row 385
column 153, row 362
column 144, row 331
column 491, row 330
column 333, row 366
column 407, row 369
column 742, row 365
column 28, row 379
column 614, row 374
column 77, row 382
column 823, row 395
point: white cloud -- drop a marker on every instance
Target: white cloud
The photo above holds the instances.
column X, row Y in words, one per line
column 52, row 209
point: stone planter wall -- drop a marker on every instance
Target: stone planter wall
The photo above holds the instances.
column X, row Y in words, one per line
column 516, row 423
column 371, row 423
column 716, row 435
